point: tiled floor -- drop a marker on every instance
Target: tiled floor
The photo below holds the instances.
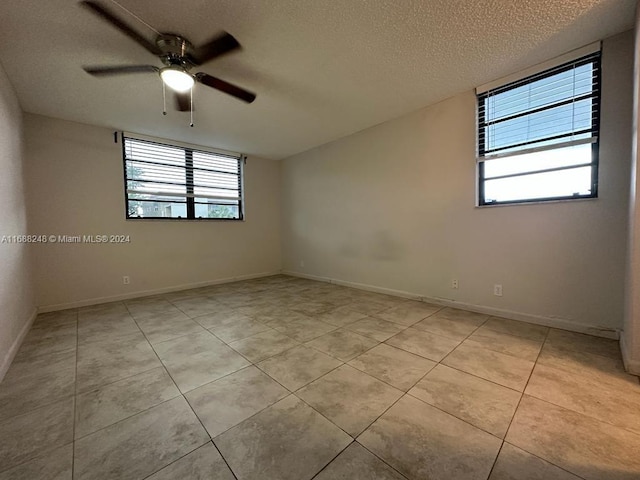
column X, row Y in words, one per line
column 284, row 378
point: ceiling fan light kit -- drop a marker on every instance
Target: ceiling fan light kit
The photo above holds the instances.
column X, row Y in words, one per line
column 177, row 79
column 177, row 54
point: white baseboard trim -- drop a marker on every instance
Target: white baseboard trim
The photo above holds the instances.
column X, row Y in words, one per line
column 147, row 293
column 631, row 365
column 15, row 346
column 554, row 322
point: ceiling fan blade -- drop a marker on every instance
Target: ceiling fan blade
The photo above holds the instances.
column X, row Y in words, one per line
column 102, row 71
column 183, row 101
column 105, row 14
column 218, row 46
column 225, row 87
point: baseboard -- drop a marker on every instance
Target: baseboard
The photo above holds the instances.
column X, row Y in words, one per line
column 15, row 346
column 554, row 322
column 147, row 293
column 631, row 365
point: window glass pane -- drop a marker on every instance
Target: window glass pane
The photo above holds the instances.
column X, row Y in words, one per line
column 216, row 209
column 530, row 162
column 561, row 183
column 154, row 209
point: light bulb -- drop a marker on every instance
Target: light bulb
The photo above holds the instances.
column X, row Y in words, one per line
column 176, row 78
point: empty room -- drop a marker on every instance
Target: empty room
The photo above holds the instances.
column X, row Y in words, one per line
column 320, row 239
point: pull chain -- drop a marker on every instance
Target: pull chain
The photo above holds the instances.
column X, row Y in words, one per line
column 191, row 92
column 164, row 99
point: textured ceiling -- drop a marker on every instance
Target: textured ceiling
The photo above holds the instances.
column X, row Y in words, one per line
column 322, row 68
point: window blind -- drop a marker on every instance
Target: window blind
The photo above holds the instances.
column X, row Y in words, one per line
column 177, row 181
column 555, row 108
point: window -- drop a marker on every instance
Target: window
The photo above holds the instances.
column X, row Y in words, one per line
column 181, row 182
column 538, row 136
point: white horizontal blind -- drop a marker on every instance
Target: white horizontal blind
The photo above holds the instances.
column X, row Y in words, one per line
column 178, row 181
column 549, row 110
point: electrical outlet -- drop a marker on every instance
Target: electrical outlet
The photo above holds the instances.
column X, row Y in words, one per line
column 454, row 284
column 126, row 280
column 497, row 290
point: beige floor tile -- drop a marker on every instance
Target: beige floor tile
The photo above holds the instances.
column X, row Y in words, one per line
column 393, row 366
column 101, row 311
column 618, row 405
column 343, row 344
column 162, row 327
column 114, row 402
column 462, row 315
column 375, row 328
column 45, row 339
column 349, row 398
column 296, row 367
column 583, row 343
column 54, row 465
column 496, row 367
column 197, row 306
column 453, row 323
column 605, row 369
column 221, row 319
column 150, row 309
column 481, row 403
column 517, row 328
column 423, row 442
column 367, row 306
column 584, row 446
column 59, row 318
column 516, row 464
column 506, row 343
column 263, row 345
column 106, row 362
column 312, row 307
column 305, row 329
column 287, row 441
column 230, row 400
column 140, row 445
column 428, row 345
column 241, row 328
column 110, row 328
column 341, row 316
column 257, row 311
column 356, row 463
column 33, row 434
column 203, row 463
column 196, row 359
column 132, row 422
column 36, row 381
column 408, row 312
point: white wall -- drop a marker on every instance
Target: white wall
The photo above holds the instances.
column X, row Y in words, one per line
column 75, row 187
column 17, row 306
column 630, row 338
column 393, row 207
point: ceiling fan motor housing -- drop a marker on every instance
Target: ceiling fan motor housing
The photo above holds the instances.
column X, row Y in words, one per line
column 176, row 50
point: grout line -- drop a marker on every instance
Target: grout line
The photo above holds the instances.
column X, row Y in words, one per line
column 545, row 460
column 256, row 295
column 515, row 412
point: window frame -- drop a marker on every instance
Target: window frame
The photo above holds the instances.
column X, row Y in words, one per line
column 596, row 59
column 190, row 201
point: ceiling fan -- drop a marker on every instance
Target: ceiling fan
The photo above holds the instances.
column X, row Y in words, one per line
column 178, row 55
